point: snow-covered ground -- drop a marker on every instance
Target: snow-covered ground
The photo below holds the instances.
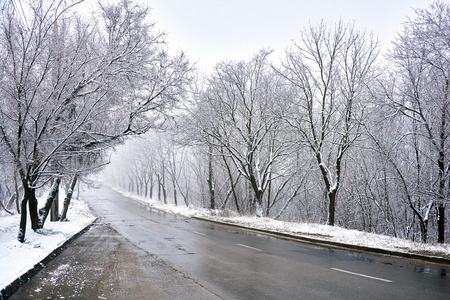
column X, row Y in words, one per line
column 316, row 231
column 17, row 258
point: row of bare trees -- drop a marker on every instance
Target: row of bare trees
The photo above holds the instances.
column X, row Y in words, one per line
column 334, row 133
column 73, row 85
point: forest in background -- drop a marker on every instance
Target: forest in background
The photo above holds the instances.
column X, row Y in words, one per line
column 334, row 133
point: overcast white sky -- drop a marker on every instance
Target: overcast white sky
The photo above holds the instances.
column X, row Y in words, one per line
column 213, row 30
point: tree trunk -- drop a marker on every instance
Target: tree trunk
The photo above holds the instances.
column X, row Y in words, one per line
column 259, row 210
column 175, row 199
column 43, row 212
column 164, row 192
column 137, row 187
column 269, row 195
column 443, row 174
column 11, row 201
column 441, row 207
column 63, row 215
column 423, row 231
column 233, row 184
column 288, row 202
column 257, row 191
column 33, row 206
column 174, row 178
column 163, row 186
column 29, row 196
column 331, row 206
column 23, row 219
column 259, row 204
column 152, row 184
column 5, row 207
column 186, row 198
column 441, row 223
column 159, row 187
column 211, row 181
column 17, row 194
column 54, row 210
column 330, row 192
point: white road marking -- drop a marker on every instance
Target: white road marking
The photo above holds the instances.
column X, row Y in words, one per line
column 199, row 233
column 362, row 275
column 249, row 247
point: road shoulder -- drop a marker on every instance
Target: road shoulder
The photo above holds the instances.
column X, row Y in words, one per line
column 102, row 264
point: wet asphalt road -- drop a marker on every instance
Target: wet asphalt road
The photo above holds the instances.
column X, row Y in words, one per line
column 172, row 257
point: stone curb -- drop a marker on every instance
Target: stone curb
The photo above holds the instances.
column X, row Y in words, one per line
column 10, row 289
column 321, row 242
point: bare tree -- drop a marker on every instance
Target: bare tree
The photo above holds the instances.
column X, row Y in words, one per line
column 331, row 69
column 421, row 92
column 400, row 165
column 241, row 98
column 114, row 80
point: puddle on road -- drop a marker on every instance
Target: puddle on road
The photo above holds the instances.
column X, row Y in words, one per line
column 426, row 270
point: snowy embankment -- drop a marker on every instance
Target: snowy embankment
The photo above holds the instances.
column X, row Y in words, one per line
column 17, row 258
column 319, row 232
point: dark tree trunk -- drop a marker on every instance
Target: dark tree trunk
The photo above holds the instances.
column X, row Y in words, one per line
column 163, row 182
column 211, row 181
column 17, row 194
column 441, row 207
column 423, row 231
column 43, row 212
column 159, row 187
column 54, row 210
column 33, row 206
column 331, row 207
column 63, row 215
column 174, row 179
column 441, row 223
column 23, row 219
column 443, row 174
column 269, row 196
column 152, row 184
column 29, row 197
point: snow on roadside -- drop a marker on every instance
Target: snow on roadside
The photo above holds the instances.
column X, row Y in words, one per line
column 17, row 258
column 317, row 231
